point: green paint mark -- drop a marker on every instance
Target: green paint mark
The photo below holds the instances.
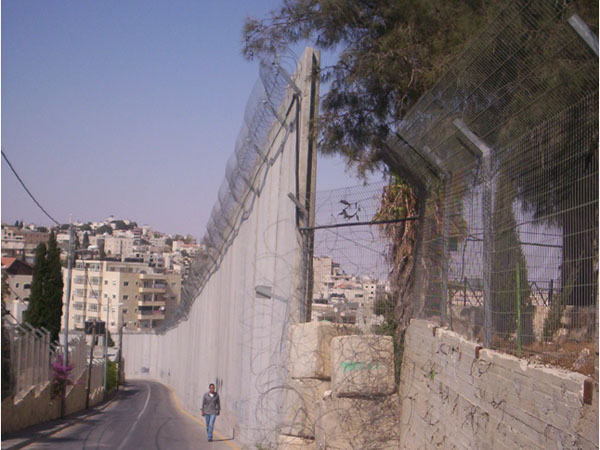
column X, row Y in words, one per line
column 431, row 375
column 353, row 366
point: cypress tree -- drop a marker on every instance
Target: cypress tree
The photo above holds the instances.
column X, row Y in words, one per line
column 45, row 301
column 53, row 287
column 34, row 313
column 86, row 241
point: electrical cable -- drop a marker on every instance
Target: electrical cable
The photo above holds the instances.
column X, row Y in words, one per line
column 27, row 190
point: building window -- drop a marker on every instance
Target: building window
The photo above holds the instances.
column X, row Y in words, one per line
column 125, row 297
column 92, row 307
column 125, row 283
column 114, row 283
column 124, row 310
column 105, row 281
column 78, row 305
column 16, row 285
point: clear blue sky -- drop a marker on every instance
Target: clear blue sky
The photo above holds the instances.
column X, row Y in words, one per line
column 125, row 108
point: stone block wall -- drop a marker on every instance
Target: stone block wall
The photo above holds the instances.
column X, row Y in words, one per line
column 309, row 380
column 337, row 395
column 454, row 394
column 362, row 365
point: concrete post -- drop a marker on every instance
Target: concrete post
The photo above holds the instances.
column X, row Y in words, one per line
column 306, row 157
column 68, row 294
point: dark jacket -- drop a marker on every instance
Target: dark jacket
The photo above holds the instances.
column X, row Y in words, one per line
column 211, row 405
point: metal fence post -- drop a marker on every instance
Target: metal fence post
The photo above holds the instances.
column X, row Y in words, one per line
column 46, row 354
column 29, row 364
column 14, row 339
column 484, row 153
column 31, row 346
column 36, row 359
column 445, row 307
column 19, row 362
column 487, row 249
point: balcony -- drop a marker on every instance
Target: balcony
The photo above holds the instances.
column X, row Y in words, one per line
column 151, row 303
column 153, row 289
column 152, row 276
column 150, row 315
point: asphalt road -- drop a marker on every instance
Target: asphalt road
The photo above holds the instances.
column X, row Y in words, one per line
column 145, row 415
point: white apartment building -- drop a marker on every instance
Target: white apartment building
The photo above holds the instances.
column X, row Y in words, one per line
column 119, row 245
column 190, row 249
column 18, row 279
column 127, row 294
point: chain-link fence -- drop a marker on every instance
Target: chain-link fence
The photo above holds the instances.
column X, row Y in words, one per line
column 27, row 357
column 502, row 156
column 509, row 249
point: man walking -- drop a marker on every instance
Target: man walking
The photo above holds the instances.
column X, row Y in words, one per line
column 211, row 407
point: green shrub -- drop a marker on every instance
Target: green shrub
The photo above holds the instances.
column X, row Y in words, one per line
column 112, row 376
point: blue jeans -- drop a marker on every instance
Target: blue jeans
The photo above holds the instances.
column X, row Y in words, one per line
column 210, row 424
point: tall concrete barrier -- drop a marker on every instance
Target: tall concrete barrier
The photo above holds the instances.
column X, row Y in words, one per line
column 236, row 332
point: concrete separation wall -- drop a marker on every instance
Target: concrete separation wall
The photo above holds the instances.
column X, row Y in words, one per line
column 236, row 334
column 454, row 394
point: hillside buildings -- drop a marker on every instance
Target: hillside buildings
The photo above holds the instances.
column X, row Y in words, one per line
column 20, row 243
column 132, row 273
column 342, row 298
column 112, row 239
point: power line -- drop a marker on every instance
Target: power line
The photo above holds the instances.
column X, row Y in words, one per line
column 27, row 190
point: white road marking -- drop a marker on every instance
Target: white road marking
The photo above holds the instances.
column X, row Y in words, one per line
column 137, row 419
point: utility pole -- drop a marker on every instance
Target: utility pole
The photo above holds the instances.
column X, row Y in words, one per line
column 120, row 353
column 106, row 348
column 68, row 299
column 89, row 379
